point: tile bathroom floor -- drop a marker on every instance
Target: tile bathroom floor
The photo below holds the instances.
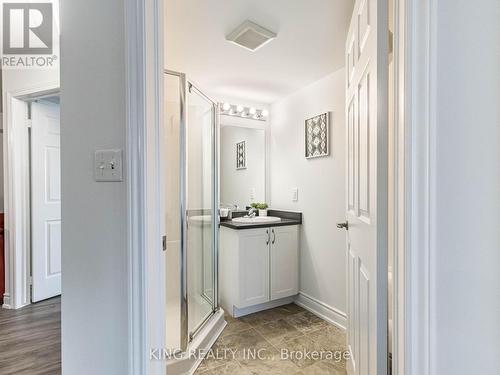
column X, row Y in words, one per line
column 262, row 343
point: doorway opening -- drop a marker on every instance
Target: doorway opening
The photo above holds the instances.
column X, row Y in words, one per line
column 45, row 198
column 33, row 222
column 33, row 198
column 314, row 121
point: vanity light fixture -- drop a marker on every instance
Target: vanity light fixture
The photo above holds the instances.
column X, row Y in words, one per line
column 229, row 109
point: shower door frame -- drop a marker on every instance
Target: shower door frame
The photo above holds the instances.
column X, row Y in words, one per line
column 186, row 85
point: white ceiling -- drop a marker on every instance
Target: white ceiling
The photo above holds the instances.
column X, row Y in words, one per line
column 310, row 44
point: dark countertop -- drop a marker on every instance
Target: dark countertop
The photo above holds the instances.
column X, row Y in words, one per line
column 287, row 218
column 230, row 224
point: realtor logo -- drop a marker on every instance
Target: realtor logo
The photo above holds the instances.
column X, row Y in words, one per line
column 27, row 29
column 30, row 36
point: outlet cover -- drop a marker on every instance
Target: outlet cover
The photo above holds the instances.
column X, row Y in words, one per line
column 252, row 194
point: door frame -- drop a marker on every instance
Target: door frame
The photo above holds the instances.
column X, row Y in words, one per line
column 144, row 99
column 413, row 191
column 17, row 193
column 42, row 287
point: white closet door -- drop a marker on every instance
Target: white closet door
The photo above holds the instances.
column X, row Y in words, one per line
column 45, row 201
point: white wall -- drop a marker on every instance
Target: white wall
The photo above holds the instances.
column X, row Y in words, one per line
column 94, row 215
column 236, row 184
column 465, row 259
column 320, row 182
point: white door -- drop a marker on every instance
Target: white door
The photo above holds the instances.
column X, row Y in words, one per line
column 45, row 200
column 284, row 261
column 366, row 113
column 254, row 266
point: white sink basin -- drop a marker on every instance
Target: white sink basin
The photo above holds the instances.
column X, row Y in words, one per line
column 256, row 220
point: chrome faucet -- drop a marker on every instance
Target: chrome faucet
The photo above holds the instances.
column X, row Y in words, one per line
column 251, row 212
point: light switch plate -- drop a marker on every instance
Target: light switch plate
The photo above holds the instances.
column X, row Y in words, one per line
column 295, row 194
column 108, row 165
column 252, row 194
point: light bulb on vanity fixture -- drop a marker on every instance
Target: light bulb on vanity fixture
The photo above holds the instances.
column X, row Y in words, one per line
column 238, row 110
column 261, row 115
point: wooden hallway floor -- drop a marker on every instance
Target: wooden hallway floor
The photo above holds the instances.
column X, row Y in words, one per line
column 30, row 339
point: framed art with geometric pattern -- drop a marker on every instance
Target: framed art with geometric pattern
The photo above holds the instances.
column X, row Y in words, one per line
column 241, row 155
column 317, row 139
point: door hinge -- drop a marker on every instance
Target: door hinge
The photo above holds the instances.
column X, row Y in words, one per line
column 30, row 285
column 28, row 123
column 164, row 243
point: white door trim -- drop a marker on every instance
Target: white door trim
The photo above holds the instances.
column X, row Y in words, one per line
column 415, row 54
column 421, row 98
column 144, row 85
column 399, row 186
column 17, row 192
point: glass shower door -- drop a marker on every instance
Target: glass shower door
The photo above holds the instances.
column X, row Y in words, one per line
column 174, row 84
column 201, row 203
column 189, row 135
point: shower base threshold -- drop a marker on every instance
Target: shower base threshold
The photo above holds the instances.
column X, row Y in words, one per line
column 187, row 363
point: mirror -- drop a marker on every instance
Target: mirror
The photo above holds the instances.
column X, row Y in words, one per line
column 242, row 165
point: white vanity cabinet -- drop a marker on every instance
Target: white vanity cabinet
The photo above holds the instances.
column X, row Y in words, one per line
column 284, row 262
column 257, row 266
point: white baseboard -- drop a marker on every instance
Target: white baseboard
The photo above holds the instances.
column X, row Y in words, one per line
column 321, row 309
column 237, row 313
column 6, row 301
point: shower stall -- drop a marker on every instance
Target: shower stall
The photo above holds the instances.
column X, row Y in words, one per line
column 191, row 201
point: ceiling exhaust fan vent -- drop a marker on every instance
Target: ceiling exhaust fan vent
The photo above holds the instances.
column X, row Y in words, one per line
column 250, row 36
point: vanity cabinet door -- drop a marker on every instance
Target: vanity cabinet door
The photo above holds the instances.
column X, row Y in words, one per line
column 284, row 256
column 254, row 267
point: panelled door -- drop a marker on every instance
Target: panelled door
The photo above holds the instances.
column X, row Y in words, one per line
column 366, row 212
column 254, row 263
column 45, row 200
column 284, row 261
